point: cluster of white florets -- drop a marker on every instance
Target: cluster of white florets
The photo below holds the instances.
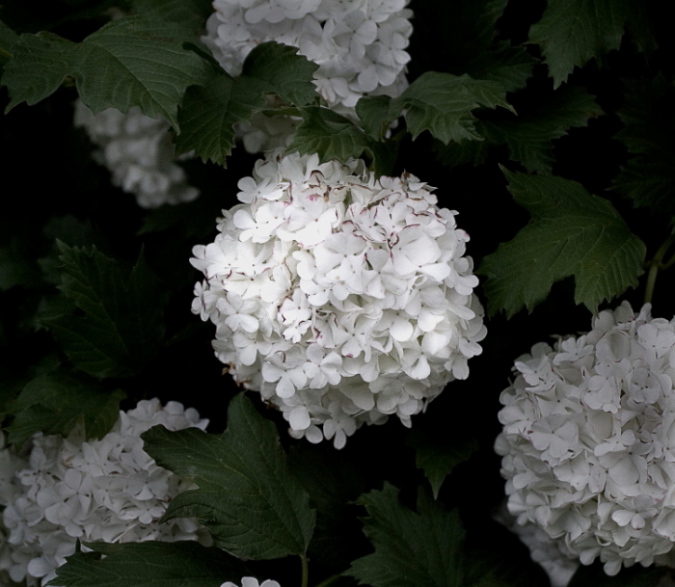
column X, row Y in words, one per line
column 360, row 48
column 342, row 298
column 252, row 582
column 589, row 440
column 72, row 489
column 139, row 152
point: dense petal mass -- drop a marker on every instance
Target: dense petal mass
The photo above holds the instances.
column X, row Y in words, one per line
column 588, row 446
column 111, row 490
column 342, row 299
column 358, row 46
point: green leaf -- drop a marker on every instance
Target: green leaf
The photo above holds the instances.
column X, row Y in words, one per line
column 571, row 233
column 180, row 11
column 56, row 402
column 138, row 62
column 328, row 134
column 148, row 564
column 7, row 39
column 247, row 497
column 38, row 66
column 280, row 70
column 209, row 113
column 437, row 458
column 572, row 32
column 443, row 104
column 120, row 325
column 374, row 114
column 411, row 548
column 529, row 139
column 509, row 66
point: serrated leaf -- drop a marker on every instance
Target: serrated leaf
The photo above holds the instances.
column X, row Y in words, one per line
column 411, row 548
column 38, row 66
column 138, row 62
column 121, row 324
column 374, row 114
column 251, row 503
column 328, row 134
column 572, row 32
column 509, row 66
column 280, row 70
column 56, row 402
column 209, row 113
column 437, row 458
column 148, row 564
column 571, row 233
column 443, row 104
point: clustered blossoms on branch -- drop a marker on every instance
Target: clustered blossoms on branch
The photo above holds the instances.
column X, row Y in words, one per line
column 73, row 489
column 358, row 46
column 342, row 298
column 139, row 152
column 252, row 582
column 589, row 440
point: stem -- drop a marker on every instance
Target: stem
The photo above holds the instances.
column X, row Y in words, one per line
column 305, row 570
column 329, row 580
column 655, row 265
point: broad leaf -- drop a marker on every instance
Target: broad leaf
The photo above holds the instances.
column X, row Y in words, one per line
column 571, row 233
column 38, row 66
column 56, row 402
column 120, row 325
column 280, row 70
column 328, row 134
column 148, row 564
column 374, row 114
column 209, row 113
column 443, row 104
column 411, row 548
column 247, row 497
column 572, row 32
column 438, row 458
column 509, row 66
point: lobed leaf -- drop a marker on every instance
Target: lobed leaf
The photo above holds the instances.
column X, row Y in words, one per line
column 247, row 497
column 56, row 402
column 120, row 325
column 148, row 564
column 572, row 32
column 411, row 548
column 571, row 233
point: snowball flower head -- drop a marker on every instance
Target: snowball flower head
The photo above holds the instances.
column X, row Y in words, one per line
column 589, row 440
column 139, row 152
column 343, row 299
column 111, row 490
column 252, row 582
column 358, row 46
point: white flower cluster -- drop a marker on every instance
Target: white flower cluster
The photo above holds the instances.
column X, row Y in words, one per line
column 139, row 152
column 341, row 298
column 589, row 440
column 359, row 47
column 252, row 582
column 108, row 489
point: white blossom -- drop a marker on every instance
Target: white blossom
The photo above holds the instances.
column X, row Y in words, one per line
column 108, row 490
column 342, row 299
column 139, row 152
column 360, row 48
column 588, row 445
column 252, row 582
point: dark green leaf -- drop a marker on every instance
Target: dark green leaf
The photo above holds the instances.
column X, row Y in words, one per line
column 328, row 134
column 280, row 70
column 443, row 104
column 38, row 66
column 120, row 327
column 509, row 66
column 571, row 233
column 247, row 497
column 374, row 114
column 209, row 113
column 56, row 402
column 437, row 458
column 572, row 32
column 148, row 564
column 411, row 548
column 16, row 266
column 7, row 39
column 180, row 11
